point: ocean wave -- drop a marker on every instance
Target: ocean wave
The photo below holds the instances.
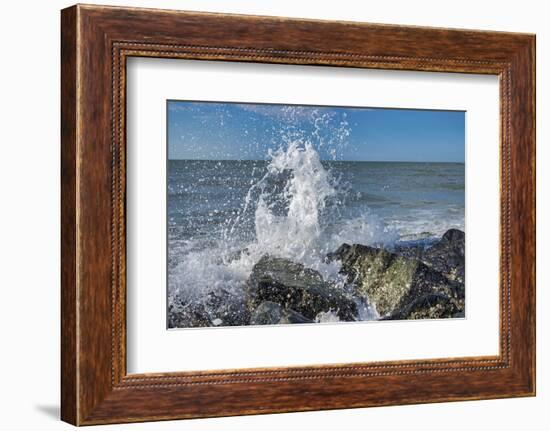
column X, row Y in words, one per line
column 293, row 206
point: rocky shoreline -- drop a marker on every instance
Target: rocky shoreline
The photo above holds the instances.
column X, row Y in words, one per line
column 407, row 282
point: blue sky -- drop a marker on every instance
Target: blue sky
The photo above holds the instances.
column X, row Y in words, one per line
column 230, row 131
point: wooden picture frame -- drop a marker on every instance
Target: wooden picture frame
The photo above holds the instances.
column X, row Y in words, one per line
column 95, row 43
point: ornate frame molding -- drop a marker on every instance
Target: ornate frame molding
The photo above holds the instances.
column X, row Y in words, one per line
column 96, row 41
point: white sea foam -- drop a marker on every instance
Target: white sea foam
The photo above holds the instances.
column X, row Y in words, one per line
column 297, row 234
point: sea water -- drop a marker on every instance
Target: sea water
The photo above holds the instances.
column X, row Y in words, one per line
column 224, row 215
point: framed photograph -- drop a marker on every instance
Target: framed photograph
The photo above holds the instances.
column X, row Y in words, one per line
column 266, row 215
column 278, row 214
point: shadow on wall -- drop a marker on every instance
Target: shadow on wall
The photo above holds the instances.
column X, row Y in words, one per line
column 52, row 411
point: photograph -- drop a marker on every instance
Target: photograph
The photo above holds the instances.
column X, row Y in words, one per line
column 275, row 209
column 301, row 214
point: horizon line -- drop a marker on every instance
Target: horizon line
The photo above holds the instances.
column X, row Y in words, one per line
column 322, row 160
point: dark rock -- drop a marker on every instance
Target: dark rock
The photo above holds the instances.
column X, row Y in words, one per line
column 411, row 249
column 390, row 281
column 291, row 316
column 219, row 308
column 183, row 314
column 338, row 254
column 267, row 313
column 429, row 306
column 447, row 255
column 227, row 309
column 295, row 287
column 271, row 313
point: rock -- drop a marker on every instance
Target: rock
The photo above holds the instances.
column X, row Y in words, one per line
column 326, row 317
column 429, row 306
column 389, row 281
column 183, row 314
column 414, row 251
column 295, row 287
column 292, row 317
column 447, row 255
column 219, row 308
column 271, row 313
column 338, row 254
column 229, row 308
column 267, row 313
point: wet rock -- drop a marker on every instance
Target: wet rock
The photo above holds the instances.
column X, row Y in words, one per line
column 338, row 254
column 447, row 255
column 292, row 317
column 295, row 287
column 390, row 281
column 430, row 306
column 412, row 249
column 220, row 308
column 182, row 314
column 227, row 309
column 267, row 313
column 326, row 317
column 271, row 313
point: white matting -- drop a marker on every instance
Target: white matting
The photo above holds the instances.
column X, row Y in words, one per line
column 153, row 348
